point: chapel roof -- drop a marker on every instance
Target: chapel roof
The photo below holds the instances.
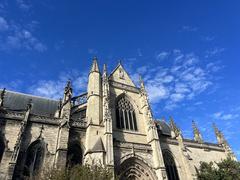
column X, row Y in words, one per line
column 40, row 106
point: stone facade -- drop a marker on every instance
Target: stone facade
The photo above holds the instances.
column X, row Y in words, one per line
column 110, row 125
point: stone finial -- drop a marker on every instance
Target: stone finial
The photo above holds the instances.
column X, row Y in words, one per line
column 2, row 96
column 29, row 104
column 68, row 86
column 222, row 141
column 174, row 128
column 196, row 132
column 220, row 137
column 95, row 67
column 105, row 70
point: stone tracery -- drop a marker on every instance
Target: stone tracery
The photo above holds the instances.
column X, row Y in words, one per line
column 125, row 113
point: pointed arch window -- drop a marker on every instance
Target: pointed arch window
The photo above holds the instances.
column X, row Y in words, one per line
column 34, row 158
column 125, row 115
column 170, row 166
column 2, row 146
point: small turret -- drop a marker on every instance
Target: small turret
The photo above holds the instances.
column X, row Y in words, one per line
column 94, row 94
column 2, row 97
column 65, row 105
column 67, row 91
column 196, row 132
column 223, row 142
column 174, row 128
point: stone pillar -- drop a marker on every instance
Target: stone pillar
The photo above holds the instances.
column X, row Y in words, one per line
column 63, row 131
column 152, row 135
column 107, row 118
column 18, row 144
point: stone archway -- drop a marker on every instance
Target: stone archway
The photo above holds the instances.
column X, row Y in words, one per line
column 135, row 169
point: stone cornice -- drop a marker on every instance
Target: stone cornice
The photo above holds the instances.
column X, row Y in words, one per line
column 191, row 143
column 131, row 145
column 123, row 86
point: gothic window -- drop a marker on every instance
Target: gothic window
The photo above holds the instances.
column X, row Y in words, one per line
column 125, row 115
column 34, row 158
column 170, row 166
column 2, row 146
column 74, row 154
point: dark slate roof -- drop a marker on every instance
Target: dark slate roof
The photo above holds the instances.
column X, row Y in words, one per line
column 164, row 127
column 40, row 105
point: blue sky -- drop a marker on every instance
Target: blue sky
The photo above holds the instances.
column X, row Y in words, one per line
column 186, row 51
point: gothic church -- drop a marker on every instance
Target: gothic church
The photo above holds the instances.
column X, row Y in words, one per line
column 111, row 125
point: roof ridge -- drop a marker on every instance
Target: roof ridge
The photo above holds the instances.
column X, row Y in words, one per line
column 30, row 95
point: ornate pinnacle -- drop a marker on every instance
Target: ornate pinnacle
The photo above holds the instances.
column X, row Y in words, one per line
column 174, row 127
column 105, row 71
column 68, row 86
column 29, row 104
column 95, row 67
column 219, row 135
column 197, row 134
column 2, row 96
column 222, row 141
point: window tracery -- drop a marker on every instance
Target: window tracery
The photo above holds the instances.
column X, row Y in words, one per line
column 125, row 115
column 34, row 158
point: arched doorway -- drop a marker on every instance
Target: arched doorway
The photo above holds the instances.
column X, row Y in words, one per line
column 34, row 158
column 135, row 169
column 2, row 146
column 170, row 165
column 74, row 154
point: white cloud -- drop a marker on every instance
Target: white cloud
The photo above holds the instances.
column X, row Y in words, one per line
column 3, row 24
column 189, row 28
column 54, row 88
column 23, row 4
column 162, row 55
column 223, row 116
column 92, row 51
column 182, row 80
column 214, row 52
column 18, row 38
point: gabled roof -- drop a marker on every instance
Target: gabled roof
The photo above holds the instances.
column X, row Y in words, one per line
column 114, row 76
column 98, row 147
column 40, row 105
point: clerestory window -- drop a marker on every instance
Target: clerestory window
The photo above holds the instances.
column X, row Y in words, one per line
column 125, row 115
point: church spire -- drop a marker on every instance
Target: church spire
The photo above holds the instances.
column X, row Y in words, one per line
column 174, row 127
column 105, row 70
column 95, row 67
column 67, row 91
column 197, row 134
column 219, row 135
column 222, row 141
column 2, row 96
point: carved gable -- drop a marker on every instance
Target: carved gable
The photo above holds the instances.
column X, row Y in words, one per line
column 120, row 75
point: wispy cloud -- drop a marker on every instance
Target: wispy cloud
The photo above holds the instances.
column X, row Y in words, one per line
column 208, row 38
column 92, row 51
column 18, row 37
column 54, row 88
column 189, row 28
column 23, row 4
column 225, row 116
column 182, row 80
column 3, row 24
column 162, row 55
column 214, row 52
